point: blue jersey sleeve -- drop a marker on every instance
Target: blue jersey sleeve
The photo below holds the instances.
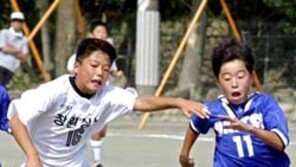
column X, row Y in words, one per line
column 274, row 118
column 4, row 102
column 203, row 125
column 199, row 125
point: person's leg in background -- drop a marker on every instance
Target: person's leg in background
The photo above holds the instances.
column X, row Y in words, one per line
column 96, row 145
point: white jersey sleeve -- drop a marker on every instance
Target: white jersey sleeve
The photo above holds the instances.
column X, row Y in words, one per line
column 32, row 103
column 118, row 102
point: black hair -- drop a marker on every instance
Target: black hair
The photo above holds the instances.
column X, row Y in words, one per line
column 89, row 45
column 96, row 23
column 229, row 50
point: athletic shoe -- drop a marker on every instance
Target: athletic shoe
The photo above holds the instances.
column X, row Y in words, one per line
column 97, row 164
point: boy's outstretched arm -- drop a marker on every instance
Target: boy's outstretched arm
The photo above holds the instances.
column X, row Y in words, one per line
column 21, row 135
column 153, row 103
column 190, row 139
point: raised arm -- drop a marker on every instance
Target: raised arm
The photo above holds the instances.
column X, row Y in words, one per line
column 21, row 135
column 153, row 103
column 190, row 139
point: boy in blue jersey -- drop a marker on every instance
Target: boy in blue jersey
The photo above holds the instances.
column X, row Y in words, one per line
column 250, row 128
column 4, row 102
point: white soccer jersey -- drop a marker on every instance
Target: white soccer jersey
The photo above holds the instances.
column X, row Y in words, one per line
column 60, row 121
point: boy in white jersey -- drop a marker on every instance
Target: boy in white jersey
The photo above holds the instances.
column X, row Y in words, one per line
column 53, row 122
column 251, row 129
column 99, row 30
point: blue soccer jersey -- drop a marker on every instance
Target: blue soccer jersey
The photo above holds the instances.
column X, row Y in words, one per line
column 241, row 149
column 4, row 102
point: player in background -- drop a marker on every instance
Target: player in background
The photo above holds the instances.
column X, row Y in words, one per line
column 13, row 48
column 53, row 122
column 99, row 30
column 251, row 129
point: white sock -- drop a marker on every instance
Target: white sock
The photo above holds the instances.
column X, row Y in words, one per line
column 97, row 149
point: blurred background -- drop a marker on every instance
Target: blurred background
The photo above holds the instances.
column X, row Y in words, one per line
column 147, row 33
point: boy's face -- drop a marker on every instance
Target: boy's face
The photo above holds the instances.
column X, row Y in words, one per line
column 93, row 72
column 16, row 25
column 235, row 81
column 100, row 32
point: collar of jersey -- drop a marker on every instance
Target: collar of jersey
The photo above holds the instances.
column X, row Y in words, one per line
column 79, row 92
column 225, row 103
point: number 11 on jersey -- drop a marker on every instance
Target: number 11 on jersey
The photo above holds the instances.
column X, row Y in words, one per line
column 238, row 140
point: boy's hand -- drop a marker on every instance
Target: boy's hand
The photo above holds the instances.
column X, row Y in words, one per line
column 236, row 124
column 191, row 107
column 186, row 162
column 22, row 56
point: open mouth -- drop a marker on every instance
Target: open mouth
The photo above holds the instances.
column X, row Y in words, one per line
column 235, row 94
column 99, row 82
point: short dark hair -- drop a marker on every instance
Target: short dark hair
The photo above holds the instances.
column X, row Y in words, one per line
column 89, row 45
column 229, row 50
column 96, row 23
